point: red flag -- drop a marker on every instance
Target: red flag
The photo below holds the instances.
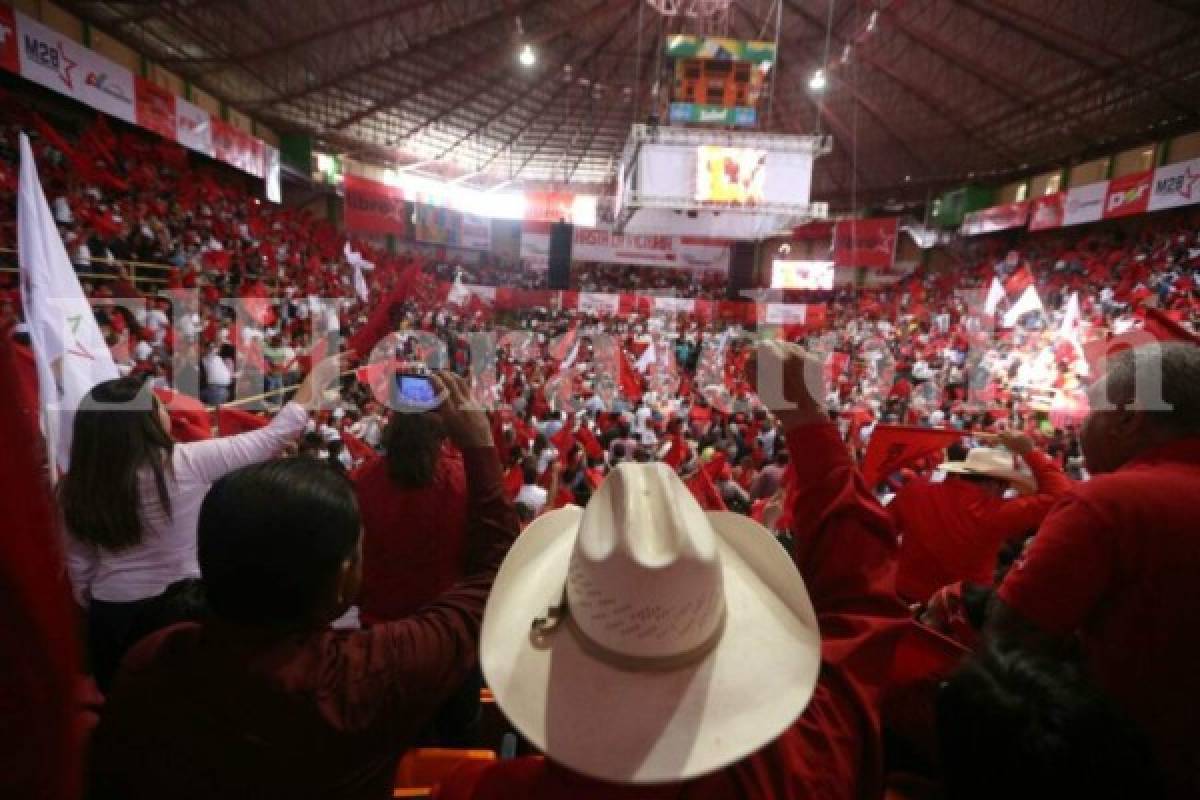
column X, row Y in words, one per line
column 560, row 349
column 1019, row 281
column 565, row 497
column 189, row 418
column 358, row 449
column 631, row 384
column 896, row 446
column 379, row 323
column 1156, row 326
column 591, row 444
column 678, row 452
column 39, row 670
column 705, row 491
column 235, row 420
column 514, row 479
column 595, row 477
column 564, row 442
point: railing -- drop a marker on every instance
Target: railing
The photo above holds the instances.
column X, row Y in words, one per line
column 131, row 268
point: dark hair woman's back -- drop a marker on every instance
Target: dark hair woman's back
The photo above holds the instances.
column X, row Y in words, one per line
column 116, row 433
column 414, row 512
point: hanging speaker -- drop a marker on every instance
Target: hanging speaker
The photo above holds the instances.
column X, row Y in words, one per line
column 560, row 255
column 741, row 269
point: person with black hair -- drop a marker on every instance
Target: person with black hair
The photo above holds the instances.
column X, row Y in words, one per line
column 1014, row 724
column 264, row 699
column 413, row 504
column 130, row 500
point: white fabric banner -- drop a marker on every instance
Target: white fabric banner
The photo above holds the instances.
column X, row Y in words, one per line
column 599, row 303
column 193, row 127
column 271, row 174
column 1176, row 185
column 105, row 85
column 66, row 340
column 1085, row 203
column 675, row 305
column 1028, row 302
column 650, row 250
column 785, row 313
column 49, row 58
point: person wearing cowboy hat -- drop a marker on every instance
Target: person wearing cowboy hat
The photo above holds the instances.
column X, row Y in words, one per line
column 952, row 530
column 652, row 650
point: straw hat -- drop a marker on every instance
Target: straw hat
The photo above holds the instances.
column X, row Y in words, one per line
column 643, row 640
column 994, row 462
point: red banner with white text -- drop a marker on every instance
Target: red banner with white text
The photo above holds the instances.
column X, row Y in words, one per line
column 996, row 218
column 1128, row 195
column 869, row 243
column 1046, row 212
column 373, row 207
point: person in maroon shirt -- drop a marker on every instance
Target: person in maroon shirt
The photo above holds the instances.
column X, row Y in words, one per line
column 845, row 551
column 264, row 700
column 414, row 513
column 1117, row 562
column 952, row 531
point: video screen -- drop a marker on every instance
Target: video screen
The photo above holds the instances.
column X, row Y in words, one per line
column 730, row 175
column 788, row 274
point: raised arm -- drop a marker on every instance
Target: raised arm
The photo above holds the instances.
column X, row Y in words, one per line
column 210, row 459
column 427, row 656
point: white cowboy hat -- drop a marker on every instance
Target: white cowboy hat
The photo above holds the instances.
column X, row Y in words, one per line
column 994, row 462
column 644, row 641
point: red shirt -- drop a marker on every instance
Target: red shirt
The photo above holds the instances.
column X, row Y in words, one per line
column 845, row 549
column 412, row 538
column 215, row 710
column 1118, row 561
column 952, row 531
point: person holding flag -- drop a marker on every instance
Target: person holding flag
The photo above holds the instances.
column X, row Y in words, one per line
column 130, row 501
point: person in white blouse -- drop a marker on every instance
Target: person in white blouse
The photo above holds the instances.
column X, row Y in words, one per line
column 130, row 502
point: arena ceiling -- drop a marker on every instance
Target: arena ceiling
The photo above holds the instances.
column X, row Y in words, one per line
column 928, row 94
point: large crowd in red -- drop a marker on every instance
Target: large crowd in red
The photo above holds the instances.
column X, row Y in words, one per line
column 572, row 398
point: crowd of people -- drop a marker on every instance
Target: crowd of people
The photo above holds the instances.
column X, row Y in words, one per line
column 285, row 610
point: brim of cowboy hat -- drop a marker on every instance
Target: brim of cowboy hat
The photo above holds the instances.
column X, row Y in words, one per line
column 1021, row 479
column 642, row 727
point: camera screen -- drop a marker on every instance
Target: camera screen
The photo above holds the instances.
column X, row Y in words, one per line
column 416, row 390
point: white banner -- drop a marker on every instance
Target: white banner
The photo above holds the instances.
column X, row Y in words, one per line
column 476, row 232
column 106, row 86
column 1176, row 185
column 674, row 305
column 271, row 173
column 599, row 303
column 193, row 127
column 49, row 58
column 650, row 250
column 1085, row 203
column 785, row 313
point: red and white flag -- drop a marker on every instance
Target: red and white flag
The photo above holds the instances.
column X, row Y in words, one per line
column 71, row 353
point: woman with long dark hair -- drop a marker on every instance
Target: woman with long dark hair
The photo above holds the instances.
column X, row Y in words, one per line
column 130, row 500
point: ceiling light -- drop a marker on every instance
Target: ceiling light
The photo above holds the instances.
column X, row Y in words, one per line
column 527, row 57
column 817, row 81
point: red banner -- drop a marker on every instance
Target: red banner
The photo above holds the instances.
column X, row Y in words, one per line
column 893, row 447
column 1128, row 195
column 373, row 207
column 234, row 146
column 549, row 206
column 996, row 218
column 9, row 59
column 1046, row 212
column 865, row 243
column 155, row 108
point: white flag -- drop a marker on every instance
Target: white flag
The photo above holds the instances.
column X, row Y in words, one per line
column 70, row 352
column 994, row 296
column 1026, row 303
column 359, row 265
column 648, row 357
column 1071, row 317
column 458, row 294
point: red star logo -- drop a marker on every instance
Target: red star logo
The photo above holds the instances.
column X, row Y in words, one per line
column 1189, row 183
column 65, row 65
